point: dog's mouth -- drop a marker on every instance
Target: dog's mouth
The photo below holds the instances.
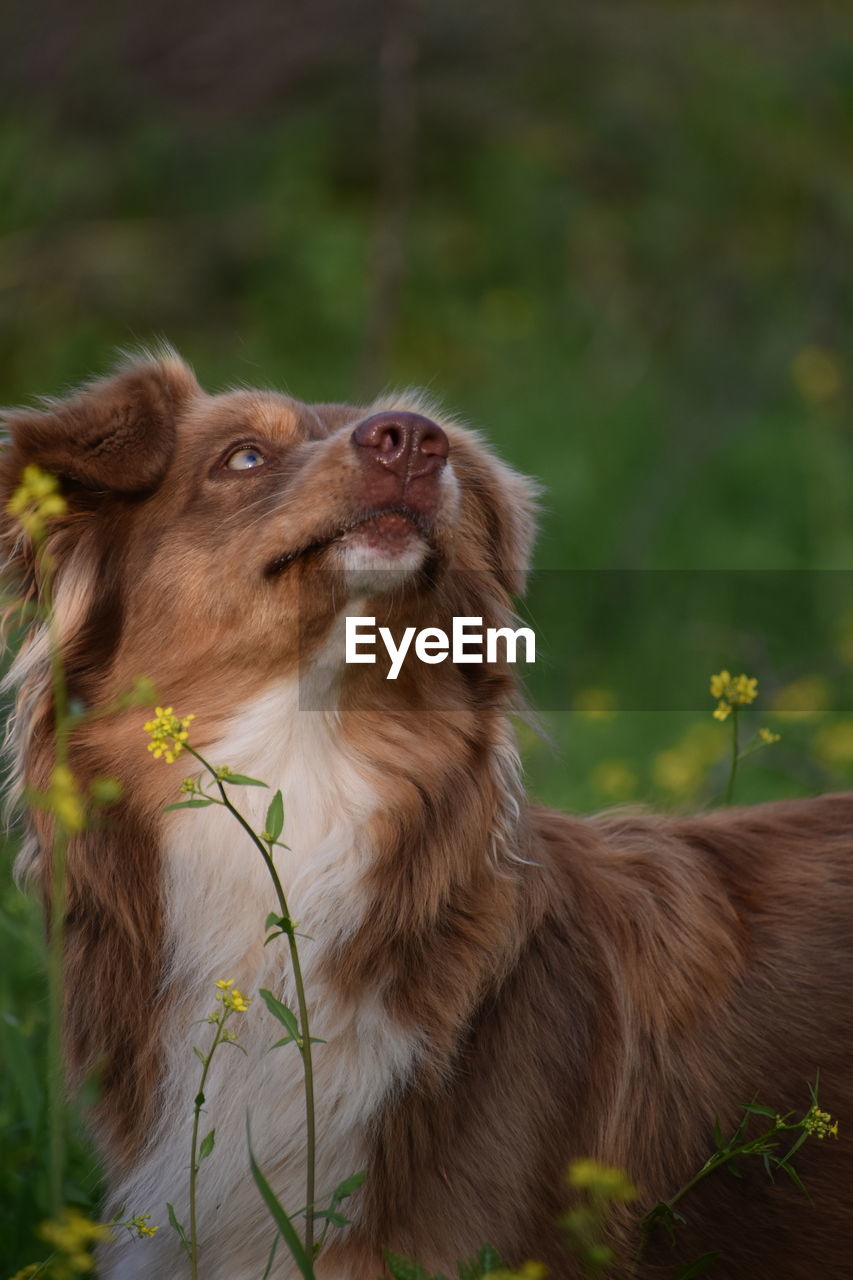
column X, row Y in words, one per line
column 389, row 530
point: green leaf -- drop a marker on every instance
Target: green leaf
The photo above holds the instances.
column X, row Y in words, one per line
column 206, row 1146
column 795, row 1148
column 240, row 780
column 349, row 1185
column 472, row 1270
column 488, row 1260
column 795, row 1178
column 201, row 1057
column 332, row 1215
column 280, row 1217
column 739, row 1133
column 696, row 1268
column 105, row 790
column 402, row 1269
column 271, row 1258
column 755, row 1110
column 284, row 1040
column 27, row 1077
column 189, row 804
column 279, row 925
column 173, row 1222
column 281, row 1011
column 274, row 824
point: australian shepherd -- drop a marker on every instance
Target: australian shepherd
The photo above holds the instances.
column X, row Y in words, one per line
column 499, row 988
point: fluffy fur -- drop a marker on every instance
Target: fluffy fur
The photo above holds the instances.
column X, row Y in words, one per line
column 500, row 988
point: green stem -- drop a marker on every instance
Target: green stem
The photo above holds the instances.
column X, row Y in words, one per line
column 304, row 1027
column 56, row 1014
column 714, row 1162
column 730, row 789
column 56, row 927
column 199, row 1103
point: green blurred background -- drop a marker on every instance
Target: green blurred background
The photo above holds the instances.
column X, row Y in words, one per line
column 617, row 237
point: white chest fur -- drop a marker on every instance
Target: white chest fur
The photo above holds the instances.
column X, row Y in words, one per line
column 218, row 893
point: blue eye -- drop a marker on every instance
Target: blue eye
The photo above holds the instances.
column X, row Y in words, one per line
column 245, row 458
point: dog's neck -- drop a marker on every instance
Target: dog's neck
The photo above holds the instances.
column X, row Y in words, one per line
column 217, row 888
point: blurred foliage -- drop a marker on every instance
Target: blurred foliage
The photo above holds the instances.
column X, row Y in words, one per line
column 624, row 238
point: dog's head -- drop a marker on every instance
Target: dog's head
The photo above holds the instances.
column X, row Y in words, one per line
column 211, row 542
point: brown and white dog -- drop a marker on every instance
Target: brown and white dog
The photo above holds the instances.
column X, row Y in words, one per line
column 500, row 988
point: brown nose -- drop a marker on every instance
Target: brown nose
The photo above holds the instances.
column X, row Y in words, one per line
column 406, row 444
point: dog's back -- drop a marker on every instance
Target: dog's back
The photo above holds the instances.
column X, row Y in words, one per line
column 670, row 970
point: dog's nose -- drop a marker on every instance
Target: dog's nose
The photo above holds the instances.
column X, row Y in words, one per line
column 406, row 444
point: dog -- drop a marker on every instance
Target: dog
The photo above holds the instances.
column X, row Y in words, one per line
column 496, row 988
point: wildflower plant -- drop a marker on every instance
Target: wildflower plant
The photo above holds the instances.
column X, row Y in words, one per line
column 36, row 505
column 73, row 1238
column 732, row 693
column 775, row 1146
column 599, row 1189
column 487, row 1263
column 139, row 1226
column 36, row 502
column 168, row 734
column 230, row 1000
column 169, row 737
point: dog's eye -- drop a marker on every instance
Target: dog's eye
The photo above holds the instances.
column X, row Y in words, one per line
column 244, row 458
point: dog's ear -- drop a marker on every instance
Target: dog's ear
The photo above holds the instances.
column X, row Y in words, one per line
column 514, row 504
column 498, row 510
column 115, row 435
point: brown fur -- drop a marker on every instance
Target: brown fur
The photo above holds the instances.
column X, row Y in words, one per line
column 600, row 987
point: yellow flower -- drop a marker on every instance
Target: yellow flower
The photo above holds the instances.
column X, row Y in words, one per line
column 36, row 500
column 817, row 374
column 833, row 744
column 530, row 1271
column 73, row 1237
column 820, row 1124
column 140, row 1224
column 732, row 691
column 701, row 743
column 677, row 771
column 63, row 800
column 803, row 699
column 596, row 703
column 614, row 779
column 601, row 1180
column 168, row 733
column 231, row 997
column 768, row 736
